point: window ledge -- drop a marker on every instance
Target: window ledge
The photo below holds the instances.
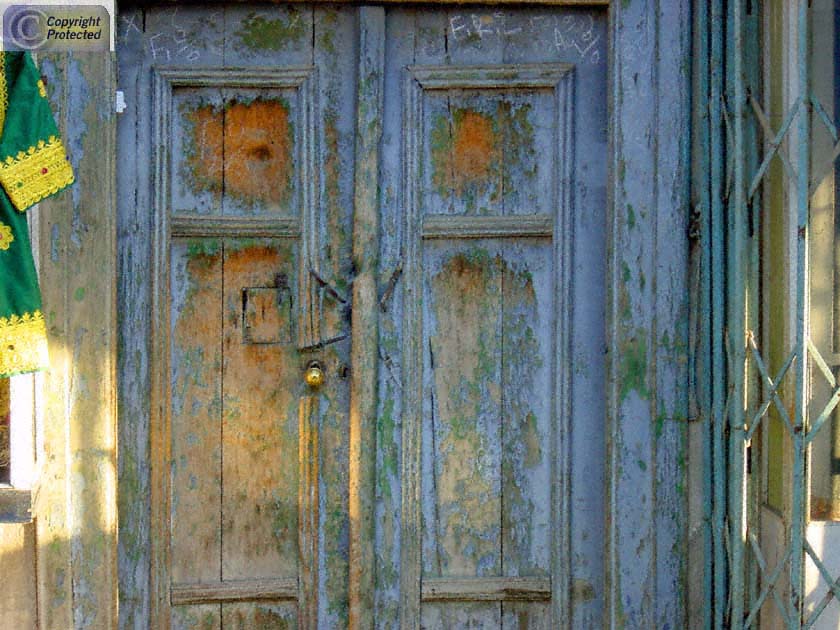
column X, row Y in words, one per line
column 15, row 505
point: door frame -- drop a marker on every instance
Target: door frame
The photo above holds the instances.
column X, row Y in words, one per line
column 646, row 339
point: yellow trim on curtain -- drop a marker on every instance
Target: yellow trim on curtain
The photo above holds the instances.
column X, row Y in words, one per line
column 36, row 173
column 24, row 342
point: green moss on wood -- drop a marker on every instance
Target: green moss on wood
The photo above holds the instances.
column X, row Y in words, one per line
column 632, row 367
column 261, row 34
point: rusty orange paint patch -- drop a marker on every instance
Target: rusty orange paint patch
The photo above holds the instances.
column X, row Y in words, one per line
column 205, row 159
column 243, row 150
column 258, row 151
column 465, row 152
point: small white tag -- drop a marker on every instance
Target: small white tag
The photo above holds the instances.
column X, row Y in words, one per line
column 120, row 104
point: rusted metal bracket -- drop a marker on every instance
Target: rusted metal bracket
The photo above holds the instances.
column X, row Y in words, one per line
column 389, row 364
column 323, row 343
column 327, row 286
column 329, row 290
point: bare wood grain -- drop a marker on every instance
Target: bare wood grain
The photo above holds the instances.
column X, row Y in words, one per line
column 280, row 589
column 497, row 589
column 365, row 322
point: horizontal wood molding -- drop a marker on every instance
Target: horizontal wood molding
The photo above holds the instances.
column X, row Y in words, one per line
column 291, row 76
column 181, row 225
column 554, row 3
column 495, row 76
column 494, row 589
column 280, row 589
column 446, row 226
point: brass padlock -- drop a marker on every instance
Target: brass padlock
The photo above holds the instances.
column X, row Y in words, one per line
column 314, row 375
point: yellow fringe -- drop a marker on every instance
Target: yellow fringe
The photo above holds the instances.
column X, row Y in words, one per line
column 4, row 94
column 36, row 173
column 23, row 343
column 6, row 236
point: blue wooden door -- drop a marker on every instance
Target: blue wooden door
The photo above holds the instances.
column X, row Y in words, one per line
column 490, row 424
column 449, row 471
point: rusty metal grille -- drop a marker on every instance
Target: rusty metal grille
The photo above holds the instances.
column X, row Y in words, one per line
column 774, row 387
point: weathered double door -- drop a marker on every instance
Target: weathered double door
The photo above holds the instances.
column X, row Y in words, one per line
column 258, row 143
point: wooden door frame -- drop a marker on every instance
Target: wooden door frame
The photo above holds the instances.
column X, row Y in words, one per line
column 646, row 313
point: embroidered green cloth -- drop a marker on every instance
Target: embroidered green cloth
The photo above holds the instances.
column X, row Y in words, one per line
column 33, row 165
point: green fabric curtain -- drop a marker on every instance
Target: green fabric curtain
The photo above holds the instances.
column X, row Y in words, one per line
column 33, row 166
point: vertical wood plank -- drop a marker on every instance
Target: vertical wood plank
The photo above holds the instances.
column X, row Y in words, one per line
column 528, row 458
column 631, row 559
column 51, row 507
column 461, row 615
column 336, row 61
column 259, row 617
column 133, row 326
column 581, row 38
column 206, row 617
column 390, row 571
column 522, row 616
column 364, row 353
column 260, row 508
column 77, row 534
column 195, row 479
column 411, row 555
column 462, row 411
column 671, row 286
column 646, row 313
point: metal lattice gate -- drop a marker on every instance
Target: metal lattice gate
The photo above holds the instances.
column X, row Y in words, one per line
column 769, row 376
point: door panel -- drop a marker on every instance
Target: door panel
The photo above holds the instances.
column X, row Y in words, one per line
column 487, row 320
column 489, row 433
column 245, row 115
column 493, row 159
column 231, row 424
